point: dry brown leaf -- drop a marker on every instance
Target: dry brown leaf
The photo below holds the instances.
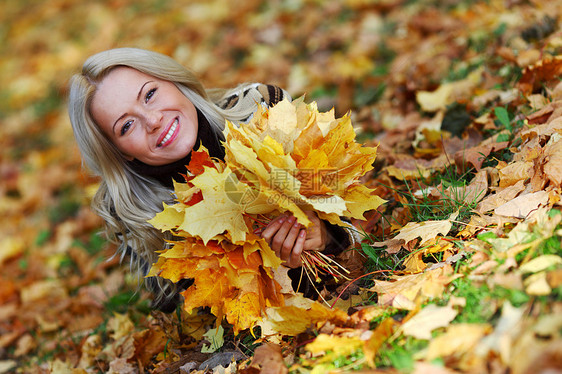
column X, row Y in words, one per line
column 515, row 172
column 523, row 205
column 501, row 197
column 542, row 72
column 500, row 340
column 267, row 359
column 120, row 326
column 426, row 231
column 537, row 284
column 149, row 343
column 477, row 155
column 421, row 367
column 10, row 247
column 121, row 366
column 553, row 156
column 408, row 169
column 473, row 193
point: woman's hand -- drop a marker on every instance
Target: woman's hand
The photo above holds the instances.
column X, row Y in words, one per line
column 289, row 239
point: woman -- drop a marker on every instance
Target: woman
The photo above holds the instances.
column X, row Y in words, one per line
column 136, row 116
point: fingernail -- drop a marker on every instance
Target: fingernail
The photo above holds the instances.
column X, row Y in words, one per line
column 302, row 233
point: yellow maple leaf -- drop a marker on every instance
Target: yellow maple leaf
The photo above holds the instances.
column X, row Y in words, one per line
column 243, row 312
column 174, row 269
column 169, row 219
column 414, row 261
column 210, row 289
column 318, row 167
column 223, row 273
column 217, row 212
column 290, row 158
column 360, row 199
column 297, row 315
column 333, row 346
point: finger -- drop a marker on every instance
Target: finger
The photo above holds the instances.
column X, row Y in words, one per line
column 272, row 228
column 317, row 234
column 289, row 242
column 312, row 244
column 312, row 215
column 280, row 236
column 295, row 259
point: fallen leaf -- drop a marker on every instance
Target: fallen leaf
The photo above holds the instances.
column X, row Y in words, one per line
column 121, row 366
column 508, row 326
column 268, row 359
column 120, row 326
column 332, row 346
column 501, row 197
column 10, row 247
column 537, row 284
column 545, row 70
column 297, row 315
column 380, row 334
column 540, row 263
column 515, row 172
column 553, row 156
column 448, row 92
column 24, row 345
column 421, row 367
column 149, row 343
column 459, row 339
column 523, row 205
column 477, row 155
column 7, row 365
column 426, row 231
column 431, row 317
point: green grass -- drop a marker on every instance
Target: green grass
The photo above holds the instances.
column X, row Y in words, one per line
column 425, row 206
column 480, row 307
column 377, row 257
column 398, row 353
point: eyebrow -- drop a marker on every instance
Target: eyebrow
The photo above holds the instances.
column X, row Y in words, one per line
column 125, row 114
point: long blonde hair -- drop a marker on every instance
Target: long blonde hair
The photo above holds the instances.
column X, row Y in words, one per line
column 125, row 199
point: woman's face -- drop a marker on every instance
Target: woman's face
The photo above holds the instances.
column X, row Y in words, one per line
column 145, row 117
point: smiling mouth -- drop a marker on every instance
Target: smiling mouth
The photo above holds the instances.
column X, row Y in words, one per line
column 170, row 134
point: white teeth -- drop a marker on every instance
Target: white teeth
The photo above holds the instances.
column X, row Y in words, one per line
column 170, row 132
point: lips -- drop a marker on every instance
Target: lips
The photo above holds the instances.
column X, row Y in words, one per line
column 168, row 136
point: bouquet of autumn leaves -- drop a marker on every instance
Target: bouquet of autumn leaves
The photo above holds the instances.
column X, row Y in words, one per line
column 289, row 158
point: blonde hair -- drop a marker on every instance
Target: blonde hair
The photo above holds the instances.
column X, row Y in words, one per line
column 125, row 199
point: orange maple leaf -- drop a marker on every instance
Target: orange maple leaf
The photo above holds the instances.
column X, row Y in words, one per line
column 288, row 158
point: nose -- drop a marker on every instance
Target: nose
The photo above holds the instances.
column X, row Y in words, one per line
column 153, row 120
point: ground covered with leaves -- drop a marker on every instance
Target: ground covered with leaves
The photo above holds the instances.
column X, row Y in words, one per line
column 459, row 271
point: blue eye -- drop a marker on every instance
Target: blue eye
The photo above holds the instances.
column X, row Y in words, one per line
column 126, row 127
column 149, row 95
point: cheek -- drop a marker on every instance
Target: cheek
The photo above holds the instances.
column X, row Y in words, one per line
column 131, row 148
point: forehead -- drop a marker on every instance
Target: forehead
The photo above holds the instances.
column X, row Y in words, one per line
column 118, row 89
column 115, row 94
column 123, row 77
